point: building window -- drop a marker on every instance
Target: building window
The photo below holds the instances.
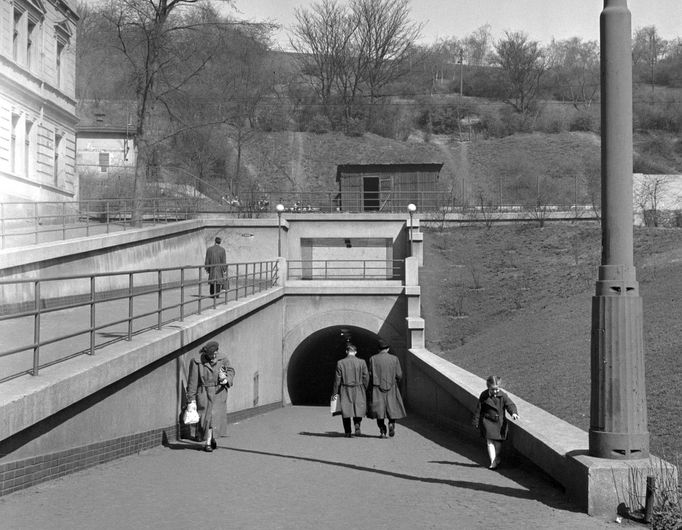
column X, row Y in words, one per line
column 28, row 148
column 29, row 44
column 17, row 35
column 57, row 154
column 104, row 162
column 13, row 153
column 58, row 67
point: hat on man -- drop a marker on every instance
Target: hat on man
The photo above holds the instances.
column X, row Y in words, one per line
column 383, row 345
column 210, row 347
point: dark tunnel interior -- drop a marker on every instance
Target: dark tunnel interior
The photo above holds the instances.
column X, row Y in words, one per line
column 310, row 375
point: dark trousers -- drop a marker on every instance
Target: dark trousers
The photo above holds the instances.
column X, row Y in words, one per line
column 382, row 425
column 346, row 424
column 215, row 288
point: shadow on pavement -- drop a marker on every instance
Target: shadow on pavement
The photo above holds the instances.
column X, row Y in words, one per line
column 491, row 488
column 540, row 486
column 328, row 434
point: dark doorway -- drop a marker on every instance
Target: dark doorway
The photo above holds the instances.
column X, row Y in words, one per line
column 370, row 189
column 310, row 375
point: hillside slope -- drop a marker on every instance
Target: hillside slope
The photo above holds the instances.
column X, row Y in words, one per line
column 304, row 161
column 530, row 319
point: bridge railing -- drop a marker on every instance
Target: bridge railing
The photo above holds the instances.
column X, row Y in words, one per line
column 30, row 223
column 346, row 269
column 54, row 319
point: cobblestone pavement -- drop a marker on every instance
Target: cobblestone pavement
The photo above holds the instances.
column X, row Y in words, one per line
column 292, row 469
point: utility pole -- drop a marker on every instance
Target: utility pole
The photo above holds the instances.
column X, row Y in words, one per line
column 461, row 74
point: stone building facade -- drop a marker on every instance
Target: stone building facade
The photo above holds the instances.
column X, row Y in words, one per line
column 37, row 100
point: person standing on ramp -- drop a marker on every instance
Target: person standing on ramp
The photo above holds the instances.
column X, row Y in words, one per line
column 385, row 375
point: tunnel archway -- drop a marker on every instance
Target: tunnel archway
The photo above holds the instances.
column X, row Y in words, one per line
column 310, row 374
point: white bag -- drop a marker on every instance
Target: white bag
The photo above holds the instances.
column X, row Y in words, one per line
column 335, row 405
column 191, row 416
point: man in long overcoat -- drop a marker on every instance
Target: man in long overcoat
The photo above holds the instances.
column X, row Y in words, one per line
column 385, row 375
column 350, row 383
column 216, row 267
column 209, row 378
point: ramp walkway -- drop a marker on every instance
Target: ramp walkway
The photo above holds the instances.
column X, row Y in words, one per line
column 293, row 469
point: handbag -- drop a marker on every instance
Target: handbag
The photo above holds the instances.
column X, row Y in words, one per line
column 335, row 405
column 190, row 416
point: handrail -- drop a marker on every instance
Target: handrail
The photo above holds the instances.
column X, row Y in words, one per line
column 123, row 303
column 349, row 269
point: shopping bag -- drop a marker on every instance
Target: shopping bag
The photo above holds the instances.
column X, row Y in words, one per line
column 335, row 405
column 191, row 416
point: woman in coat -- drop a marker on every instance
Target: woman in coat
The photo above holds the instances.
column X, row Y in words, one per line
column 490, row 418
column 209, row 378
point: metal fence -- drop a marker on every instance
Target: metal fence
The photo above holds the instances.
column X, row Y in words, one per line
column 63, row 317
column 31, row 223
column 346, row 270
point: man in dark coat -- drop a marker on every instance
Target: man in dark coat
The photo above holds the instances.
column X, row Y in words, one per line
column 209, row 378
column 350, row 383
column 385, row 374
column 216, row 267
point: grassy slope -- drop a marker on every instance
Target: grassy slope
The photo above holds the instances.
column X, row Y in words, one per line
column 530, row 321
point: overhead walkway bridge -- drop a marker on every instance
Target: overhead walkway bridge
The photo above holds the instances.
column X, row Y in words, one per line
column 98, row 332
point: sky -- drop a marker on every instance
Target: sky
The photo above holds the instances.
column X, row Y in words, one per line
column 542, row 20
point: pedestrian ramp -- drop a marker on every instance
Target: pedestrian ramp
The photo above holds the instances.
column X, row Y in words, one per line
column 292, row 468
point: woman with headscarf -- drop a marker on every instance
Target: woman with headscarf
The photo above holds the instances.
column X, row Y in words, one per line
column 209, row 378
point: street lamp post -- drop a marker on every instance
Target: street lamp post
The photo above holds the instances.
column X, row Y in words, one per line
column 618, row 415
column 411, row 208
column 280, row 209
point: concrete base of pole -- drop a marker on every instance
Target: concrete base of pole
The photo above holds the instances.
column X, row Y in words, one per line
column 618, row 414
column 605, row 487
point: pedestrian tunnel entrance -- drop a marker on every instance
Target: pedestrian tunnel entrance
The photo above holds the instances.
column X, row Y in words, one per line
column 310, row 375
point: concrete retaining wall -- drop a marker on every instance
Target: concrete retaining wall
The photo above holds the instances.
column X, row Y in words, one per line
column 447, row 395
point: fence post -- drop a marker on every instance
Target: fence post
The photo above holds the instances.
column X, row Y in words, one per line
column 36, row 329
column 2, row 224
column 35, row 221
column 130, row 306
column 236, row 287
column 182, row 294
column 92, row 315
column 199, row 293
column 106, row 207
column 160, row 300
column 63, row 220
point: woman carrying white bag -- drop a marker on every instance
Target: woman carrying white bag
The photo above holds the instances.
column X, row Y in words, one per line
column 209, row 378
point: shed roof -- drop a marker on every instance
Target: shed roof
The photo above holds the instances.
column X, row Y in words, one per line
column 104, row 115
column 386, row 168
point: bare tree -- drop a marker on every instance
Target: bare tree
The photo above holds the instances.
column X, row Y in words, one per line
column 648, row 193
column 321, row 36
column 575, row 70
column 355, row 49
column 523, row 62
column 647, row 49
column 478, row 46
column 385, row 38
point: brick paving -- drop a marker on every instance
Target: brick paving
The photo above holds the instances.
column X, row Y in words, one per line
column 292, row 469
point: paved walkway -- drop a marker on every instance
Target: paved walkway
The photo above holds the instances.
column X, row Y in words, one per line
column 292, row 469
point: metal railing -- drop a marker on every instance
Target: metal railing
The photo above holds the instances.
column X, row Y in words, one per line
column 64, row 317
column 346, row 269
column 30, row 223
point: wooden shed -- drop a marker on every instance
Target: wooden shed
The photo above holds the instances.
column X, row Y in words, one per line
column 387, row 187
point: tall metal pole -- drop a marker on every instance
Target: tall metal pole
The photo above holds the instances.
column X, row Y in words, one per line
column 618, row 416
